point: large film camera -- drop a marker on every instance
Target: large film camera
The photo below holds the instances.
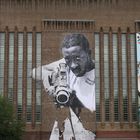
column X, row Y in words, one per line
column 62, row 91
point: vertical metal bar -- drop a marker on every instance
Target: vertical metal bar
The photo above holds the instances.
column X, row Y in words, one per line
column 33, row 81
column 93, row 43
column 15, row 74
column 111, row 82
column 24, row 80
column 120, row 87
column 129, row 86
column 101, row 57
column 6, row 62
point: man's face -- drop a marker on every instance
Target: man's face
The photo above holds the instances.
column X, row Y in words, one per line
column 77, row 59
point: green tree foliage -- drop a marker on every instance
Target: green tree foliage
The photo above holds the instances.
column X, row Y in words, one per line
column 9, row 125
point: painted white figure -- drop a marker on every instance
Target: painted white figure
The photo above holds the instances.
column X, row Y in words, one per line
column 79, row 75
column 79, row 132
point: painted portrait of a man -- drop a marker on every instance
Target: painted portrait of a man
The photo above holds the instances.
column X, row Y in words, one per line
column 71, row 82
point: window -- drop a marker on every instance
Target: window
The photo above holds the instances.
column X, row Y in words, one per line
column 29, row 79
column 115, row 76
column 20, row 67
column 20, row 72
column 115, row 58
column 38, row 84
column 11, row 66
column 106, row 77
column 97, row 74
column 133, row 77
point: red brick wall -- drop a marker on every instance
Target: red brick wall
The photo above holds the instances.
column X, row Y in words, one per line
column 115, row 13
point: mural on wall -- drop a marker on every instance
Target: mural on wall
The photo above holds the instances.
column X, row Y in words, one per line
column 138, row 71
column 138, row 59
column 70, row 81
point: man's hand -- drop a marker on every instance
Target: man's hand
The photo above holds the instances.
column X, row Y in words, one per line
column 53, row 81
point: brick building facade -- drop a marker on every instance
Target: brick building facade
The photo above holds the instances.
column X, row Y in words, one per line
column 30, row 34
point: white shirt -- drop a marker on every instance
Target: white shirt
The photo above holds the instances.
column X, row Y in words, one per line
column 84, row 87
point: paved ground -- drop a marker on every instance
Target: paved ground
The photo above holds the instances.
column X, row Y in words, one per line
column 117, row 138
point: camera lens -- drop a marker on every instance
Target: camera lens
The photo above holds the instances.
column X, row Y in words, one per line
column 62, row 97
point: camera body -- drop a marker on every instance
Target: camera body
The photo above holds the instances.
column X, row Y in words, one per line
column 62, row 91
